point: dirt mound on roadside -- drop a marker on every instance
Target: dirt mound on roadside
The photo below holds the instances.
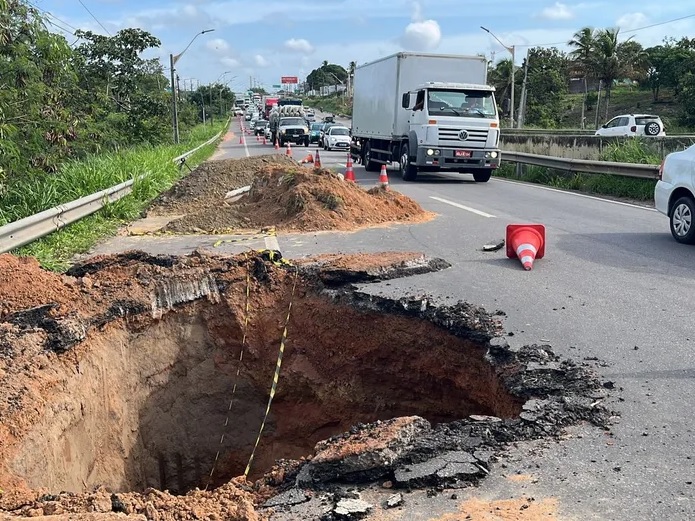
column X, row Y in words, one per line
column 303, row 199
column 206, row 186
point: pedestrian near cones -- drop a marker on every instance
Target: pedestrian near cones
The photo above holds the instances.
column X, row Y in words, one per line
column 526, row 242
column 349, row 172
column 384, row 178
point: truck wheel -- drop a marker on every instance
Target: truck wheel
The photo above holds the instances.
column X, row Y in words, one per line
column 482, row 176
column 369, row 165
column 408, row 171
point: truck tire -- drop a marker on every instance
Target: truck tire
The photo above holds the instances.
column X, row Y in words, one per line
column 369, row 165
column 408, row 171
column 483, row 176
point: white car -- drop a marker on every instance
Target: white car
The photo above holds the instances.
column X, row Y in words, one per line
column 337, row 137
column 674, row 193
column 633, row 125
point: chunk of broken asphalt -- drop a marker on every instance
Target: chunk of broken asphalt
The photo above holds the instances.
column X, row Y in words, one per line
column 288, row 498
column 394, row 500
column 351, row 509
column 448, row 467
column 369, row 453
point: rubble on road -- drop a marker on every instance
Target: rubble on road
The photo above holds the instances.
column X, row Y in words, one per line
column 283, row 194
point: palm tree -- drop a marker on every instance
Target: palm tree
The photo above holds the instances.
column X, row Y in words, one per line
column 583, row 43
column 606, row 63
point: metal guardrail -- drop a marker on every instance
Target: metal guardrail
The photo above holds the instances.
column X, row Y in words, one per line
column 569, row 132
column 27, row 230
column 583, row 165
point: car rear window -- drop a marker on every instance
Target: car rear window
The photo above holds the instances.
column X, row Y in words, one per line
column 643, row 120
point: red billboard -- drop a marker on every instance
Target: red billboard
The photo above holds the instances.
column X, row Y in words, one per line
column 289, row 79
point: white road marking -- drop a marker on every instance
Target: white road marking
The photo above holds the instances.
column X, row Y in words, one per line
column 457, row 205
column 246, row 149
column 549, row 189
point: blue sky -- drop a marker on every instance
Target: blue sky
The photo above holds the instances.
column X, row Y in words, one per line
column 264, row 40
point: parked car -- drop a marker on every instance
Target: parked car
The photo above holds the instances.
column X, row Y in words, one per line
column 310, row 117
column 337, row 136
column 315, row 132
column 633, row 125
column 674, row 194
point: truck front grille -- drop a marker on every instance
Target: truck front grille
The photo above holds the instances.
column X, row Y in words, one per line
column 477, row 137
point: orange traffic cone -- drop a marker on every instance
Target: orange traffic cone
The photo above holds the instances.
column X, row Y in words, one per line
column 308, row 159
column 317, row 161
column 349, row 173
column 384, row 178
column 527, row 242
column 288, row 150
column 241, row 139
column 258, row 138
column 277, row 145
column 264, row 141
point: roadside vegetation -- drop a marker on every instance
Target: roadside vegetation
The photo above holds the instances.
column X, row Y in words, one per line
column 332, row 104
column 633, row 151
column 83, row 177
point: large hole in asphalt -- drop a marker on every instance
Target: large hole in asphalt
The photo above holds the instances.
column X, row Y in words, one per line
column 147, row 402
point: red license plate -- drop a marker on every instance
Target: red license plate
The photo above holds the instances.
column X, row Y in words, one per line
column 462, row 153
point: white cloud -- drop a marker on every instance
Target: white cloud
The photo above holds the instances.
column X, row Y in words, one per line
column 420, row 34
column 230, row 62
column 217, row 45
column 260, row 61
column 557, row 11
column 632, row 21
column 299, row 45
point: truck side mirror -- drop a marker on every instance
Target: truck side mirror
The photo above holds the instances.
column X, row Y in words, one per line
column 405, row 102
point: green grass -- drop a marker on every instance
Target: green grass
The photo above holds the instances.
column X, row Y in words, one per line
column 599, row 184
column 81, row 178
column 331, row 104
column 626, row 100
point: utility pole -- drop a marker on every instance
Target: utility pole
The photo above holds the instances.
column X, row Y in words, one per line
column 522, row 104
column 174, row 111
column 598, row 103
column 512, row 50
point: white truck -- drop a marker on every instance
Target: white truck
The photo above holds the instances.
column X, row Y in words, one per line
column 427, row 112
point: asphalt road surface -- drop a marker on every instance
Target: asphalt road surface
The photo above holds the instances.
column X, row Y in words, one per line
column 614, row 290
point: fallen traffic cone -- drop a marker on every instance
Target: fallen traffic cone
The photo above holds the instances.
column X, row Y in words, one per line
column 277, row 146
column 308, row 159
column 349, row 173
column 383, row 178
column 317, row 161
column 288, row 150
column 527, row 242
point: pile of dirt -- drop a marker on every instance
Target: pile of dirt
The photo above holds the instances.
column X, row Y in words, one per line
column 205, row 187
column 105, row 404
column 295, row 198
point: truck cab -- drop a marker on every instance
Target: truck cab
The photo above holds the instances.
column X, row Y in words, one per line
column 451, row 127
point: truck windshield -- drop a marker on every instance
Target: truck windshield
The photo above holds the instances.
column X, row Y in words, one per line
column 291, row 121
column 468, row 103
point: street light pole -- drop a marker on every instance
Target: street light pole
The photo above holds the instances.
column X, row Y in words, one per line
column 512, row 50
column 172, row 61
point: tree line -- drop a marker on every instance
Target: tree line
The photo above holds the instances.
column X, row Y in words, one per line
column 598, row 60
column 63, row 100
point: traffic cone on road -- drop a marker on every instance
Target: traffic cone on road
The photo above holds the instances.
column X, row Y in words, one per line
column 317, row 161
column 383, row 178
column 308, row 159
column 264, row 141
column 349, row 173
column 258, row 138
column 277, row 145
column 288, row 150
column 241, row 139
column 526, row 242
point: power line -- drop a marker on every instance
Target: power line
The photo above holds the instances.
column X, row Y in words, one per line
column 95, row 18
column 624, row 32
column 54, row 17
